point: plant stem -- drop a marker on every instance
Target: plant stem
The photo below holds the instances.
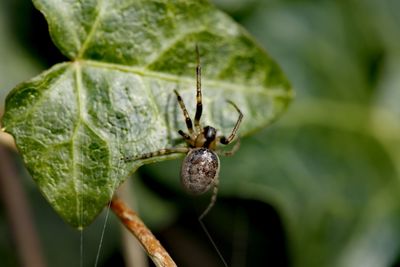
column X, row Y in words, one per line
column 7, row 140
column 18, row 213
column 135, row 225
column 133, row 252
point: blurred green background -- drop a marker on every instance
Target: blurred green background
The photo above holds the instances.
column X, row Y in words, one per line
column 319, row 188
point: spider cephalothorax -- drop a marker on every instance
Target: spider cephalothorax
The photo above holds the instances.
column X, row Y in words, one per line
column 200, row 168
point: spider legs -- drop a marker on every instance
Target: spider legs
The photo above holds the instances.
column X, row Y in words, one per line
column 199, row 104
column 230, row 152
column 213, row 199
column 161, row 152
column 184, row 135
column 223, row 139
column 188, row 120
column 205, row 212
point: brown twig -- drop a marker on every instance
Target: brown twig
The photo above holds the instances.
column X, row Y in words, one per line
column 7, row 140
column 18, row 213
column 134, row 255
column 134, row 224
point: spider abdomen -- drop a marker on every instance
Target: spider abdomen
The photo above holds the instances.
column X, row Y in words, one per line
column 199, row 170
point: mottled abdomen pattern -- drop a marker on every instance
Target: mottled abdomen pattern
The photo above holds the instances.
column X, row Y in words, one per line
column 199, row 170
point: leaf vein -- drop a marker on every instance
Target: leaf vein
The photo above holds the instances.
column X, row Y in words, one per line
column 33, row 107
column 171, row 44
column 78, row 79
column 92, row 31
column 243, row 88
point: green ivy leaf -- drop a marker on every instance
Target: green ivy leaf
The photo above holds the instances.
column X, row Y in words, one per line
column 75, row 122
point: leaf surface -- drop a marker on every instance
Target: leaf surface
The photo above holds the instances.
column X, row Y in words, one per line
column 74, row 122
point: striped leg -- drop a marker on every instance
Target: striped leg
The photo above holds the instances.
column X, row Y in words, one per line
column 188, row 121
column 230, row 152
column 185, row 136
column 161, row 152
column 199, row 104
column 212, row 201
column 223, row 139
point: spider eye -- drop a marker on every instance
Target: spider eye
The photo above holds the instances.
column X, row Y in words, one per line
column 210, row 133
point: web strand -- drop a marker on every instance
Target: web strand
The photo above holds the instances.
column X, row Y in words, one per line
column 81, row 208
column 212, row 242
column 102, row 235
column 108, row 211
column 81, row 250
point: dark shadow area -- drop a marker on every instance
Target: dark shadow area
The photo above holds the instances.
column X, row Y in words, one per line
column 31, row 28
column 246, row 232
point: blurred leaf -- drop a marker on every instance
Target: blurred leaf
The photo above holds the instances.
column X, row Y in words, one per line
column 334, row 186
column 347, row 210
column 74, row 122
column 16, row 64
column 331, row 167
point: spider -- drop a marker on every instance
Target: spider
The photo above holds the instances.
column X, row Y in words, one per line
column 200, row 168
